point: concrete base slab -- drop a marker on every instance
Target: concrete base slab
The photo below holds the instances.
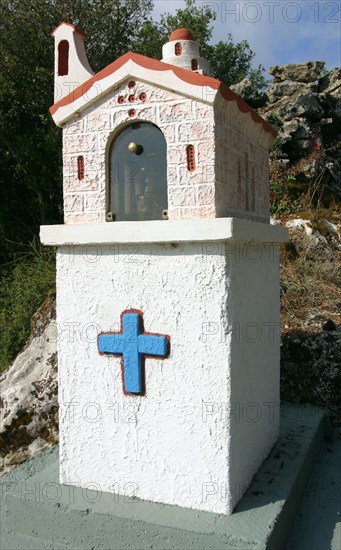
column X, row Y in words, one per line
column 317, row 524
column 37, row 512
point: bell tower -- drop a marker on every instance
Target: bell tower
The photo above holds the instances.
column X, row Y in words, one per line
column 183, row 51
column 71, row 66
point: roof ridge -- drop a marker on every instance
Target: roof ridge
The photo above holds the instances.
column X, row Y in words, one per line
column 190, row 77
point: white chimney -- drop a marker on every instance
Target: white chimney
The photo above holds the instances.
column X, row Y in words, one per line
column 184, row 51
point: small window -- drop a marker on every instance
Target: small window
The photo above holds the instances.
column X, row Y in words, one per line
column 191, row 158
column 80, row 167
column 178, row 48
column 194, row 65
column 63, row 58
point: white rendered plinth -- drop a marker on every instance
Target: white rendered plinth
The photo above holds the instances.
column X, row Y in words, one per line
column 211, row 409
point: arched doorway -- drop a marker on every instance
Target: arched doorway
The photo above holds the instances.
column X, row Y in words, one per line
column 138, row 174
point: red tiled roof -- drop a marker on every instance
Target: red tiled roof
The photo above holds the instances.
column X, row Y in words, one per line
column 181, row 34
column 185, row 75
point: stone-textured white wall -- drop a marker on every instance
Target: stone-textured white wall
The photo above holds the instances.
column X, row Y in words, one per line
column 179, row 444
column 242, row 166
column 254, row 335
column 183, row 122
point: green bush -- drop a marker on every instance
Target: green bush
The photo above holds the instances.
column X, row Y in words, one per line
column 281, row 199
column 24, row 286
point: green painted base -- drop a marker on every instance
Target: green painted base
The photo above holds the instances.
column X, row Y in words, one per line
column 39, row 513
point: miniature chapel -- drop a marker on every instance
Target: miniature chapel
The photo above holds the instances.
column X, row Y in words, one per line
column 167, row 273
column 146, row 139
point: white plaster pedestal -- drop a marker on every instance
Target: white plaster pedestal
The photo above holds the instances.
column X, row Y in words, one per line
column 210, row 414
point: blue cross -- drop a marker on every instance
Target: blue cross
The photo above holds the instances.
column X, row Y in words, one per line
column 133, row 344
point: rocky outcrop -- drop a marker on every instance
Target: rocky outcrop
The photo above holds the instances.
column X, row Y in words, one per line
column 331, row 83
column 306, row 72
column 28, row 389
column 246, row 90
column 304, row 106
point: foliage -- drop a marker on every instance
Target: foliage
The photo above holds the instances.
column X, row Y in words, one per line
column 281, row 202
column 22, row 290
column 231, row 63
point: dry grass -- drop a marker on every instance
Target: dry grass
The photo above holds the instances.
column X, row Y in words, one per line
column 310, row 280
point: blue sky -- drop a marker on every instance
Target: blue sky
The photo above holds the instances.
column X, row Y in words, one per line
column 278, row 31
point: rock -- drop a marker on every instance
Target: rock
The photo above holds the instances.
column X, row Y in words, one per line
column 330, row 89
column 28, row 389
column 306, row 72
column 333, row 229
column 294, row 138
column 336, row 111
column 279, row 90
column 331, row 104
column 310, row 369
column 296, row 105
column 326, row 121
column 329, row 326
column 246, row 90
column 315, row 233
column 44, row 315
column 296, row 128
column 305, row 106
column 307, row 118
column 300, row 225
column 331, row 83
column 330, row 168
